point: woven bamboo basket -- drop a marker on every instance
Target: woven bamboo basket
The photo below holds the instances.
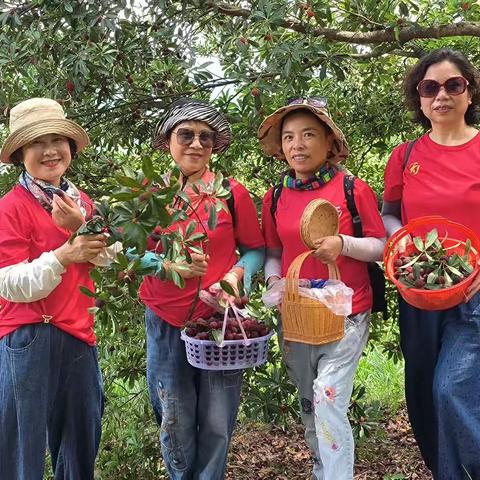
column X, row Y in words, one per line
column 319, row 219
column 306, row 320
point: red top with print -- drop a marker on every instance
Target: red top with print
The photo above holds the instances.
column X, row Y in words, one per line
column 437, row 180
column 286, row 233
column 171, row 303
column 26, row 231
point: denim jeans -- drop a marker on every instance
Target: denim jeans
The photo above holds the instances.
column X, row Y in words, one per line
column 195, row 409
column 442, row 386
column 50, row 386
column 324, row 377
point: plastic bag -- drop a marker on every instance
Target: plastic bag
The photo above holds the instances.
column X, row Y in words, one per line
column 332, row 293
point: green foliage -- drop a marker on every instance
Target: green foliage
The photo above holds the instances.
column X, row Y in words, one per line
column 115, row 66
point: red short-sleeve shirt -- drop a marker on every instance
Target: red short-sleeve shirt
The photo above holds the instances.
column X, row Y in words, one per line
column 173, row 304
column 27, row 231
column 437, row 180
column 285, row 232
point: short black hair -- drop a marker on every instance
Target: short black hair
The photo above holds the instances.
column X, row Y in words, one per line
column 417, row 73
column 17, row 156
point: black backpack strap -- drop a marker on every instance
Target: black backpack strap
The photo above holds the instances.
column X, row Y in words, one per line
column 348, row 184
column 230, row 199
column 277, row 190
column 407, row 153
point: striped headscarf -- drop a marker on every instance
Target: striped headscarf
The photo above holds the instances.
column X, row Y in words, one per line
column 185, row 110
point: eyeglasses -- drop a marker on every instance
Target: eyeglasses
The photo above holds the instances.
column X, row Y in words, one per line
column 186, row 136
column 318, row 102
column 453, row 86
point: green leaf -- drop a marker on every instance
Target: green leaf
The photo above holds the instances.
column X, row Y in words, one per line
column 128, row 182
column 431, row 238
column 241, row 290
column 454, row 270
column 87, row 292
column 448, row 279
column 217, row 336
column 227, row 288
column 212, row 218
column 465, row 265
column 147, row 168
column 190, row 228
column 196, row 237
column 95, row 275
column 411, row 262
column 126, row 195
column 468, row 247
column 177, row 279
column 432, row 277
column 418, row 243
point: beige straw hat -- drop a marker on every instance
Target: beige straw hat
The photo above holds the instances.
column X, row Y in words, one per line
column 269, row 132
column 35, row 117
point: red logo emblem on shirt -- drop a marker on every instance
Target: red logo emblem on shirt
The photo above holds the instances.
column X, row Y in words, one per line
column 414, row 168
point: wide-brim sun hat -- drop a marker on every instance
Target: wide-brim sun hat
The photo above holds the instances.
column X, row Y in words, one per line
column 35, row 117
column 270, row 132
column 185, row 110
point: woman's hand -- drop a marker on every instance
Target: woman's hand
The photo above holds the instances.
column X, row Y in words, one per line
column 233, row 278
column 474, row 288
column 66, row 213
column 328, row 248
column 82, row 249
column 198, row 267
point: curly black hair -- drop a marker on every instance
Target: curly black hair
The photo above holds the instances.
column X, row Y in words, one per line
column 417, row 73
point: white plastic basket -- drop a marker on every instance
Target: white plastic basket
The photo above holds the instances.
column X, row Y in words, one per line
column 233, row 355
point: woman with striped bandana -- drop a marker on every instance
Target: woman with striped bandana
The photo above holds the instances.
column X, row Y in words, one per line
column 196, row 409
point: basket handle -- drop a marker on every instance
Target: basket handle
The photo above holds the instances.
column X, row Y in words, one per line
column 293, row 273
column 421, row 222
column 230, row 304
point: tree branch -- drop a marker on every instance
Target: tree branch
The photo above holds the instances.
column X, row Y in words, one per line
column 386, row 35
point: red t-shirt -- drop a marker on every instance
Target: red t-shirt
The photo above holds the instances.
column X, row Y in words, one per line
column 286, row 233
column 172, row 303
column 437, row 180
column 26, row 231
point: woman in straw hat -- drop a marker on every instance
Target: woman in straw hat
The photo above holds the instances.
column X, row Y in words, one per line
column 303, row 134
column 438, row 174
column 196, row 409
column 49, row 375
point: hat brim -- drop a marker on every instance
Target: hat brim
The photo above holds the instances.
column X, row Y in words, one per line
column 269, row 132
column 30, row 132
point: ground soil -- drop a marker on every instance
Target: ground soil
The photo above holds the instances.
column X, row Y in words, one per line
column 266, row 452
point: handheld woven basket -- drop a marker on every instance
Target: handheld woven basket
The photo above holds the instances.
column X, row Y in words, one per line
column 306, row 320
column 319, row 219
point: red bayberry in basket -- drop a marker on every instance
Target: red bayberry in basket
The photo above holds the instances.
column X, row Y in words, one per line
column 435, row 270
column 202, row 329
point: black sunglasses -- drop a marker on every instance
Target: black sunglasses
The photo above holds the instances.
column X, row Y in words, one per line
column 318, row 102
column 453, row 86
column 186, row 136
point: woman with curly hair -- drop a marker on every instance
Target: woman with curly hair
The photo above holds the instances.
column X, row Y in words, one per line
column 441, row 177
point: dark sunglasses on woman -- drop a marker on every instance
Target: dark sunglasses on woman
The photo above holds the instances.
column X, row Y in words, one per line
column 186, row 136
column 453, row 86
column 318, row 102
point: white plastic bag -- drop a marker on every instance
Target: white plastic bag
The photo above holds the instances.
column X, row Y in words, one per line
column 334, row 294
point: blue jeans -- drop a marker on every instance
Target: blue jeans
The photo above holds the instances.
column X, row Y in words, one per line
column 50, row 385
column 442, row 384
column 196, row 409
column 323, row 375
